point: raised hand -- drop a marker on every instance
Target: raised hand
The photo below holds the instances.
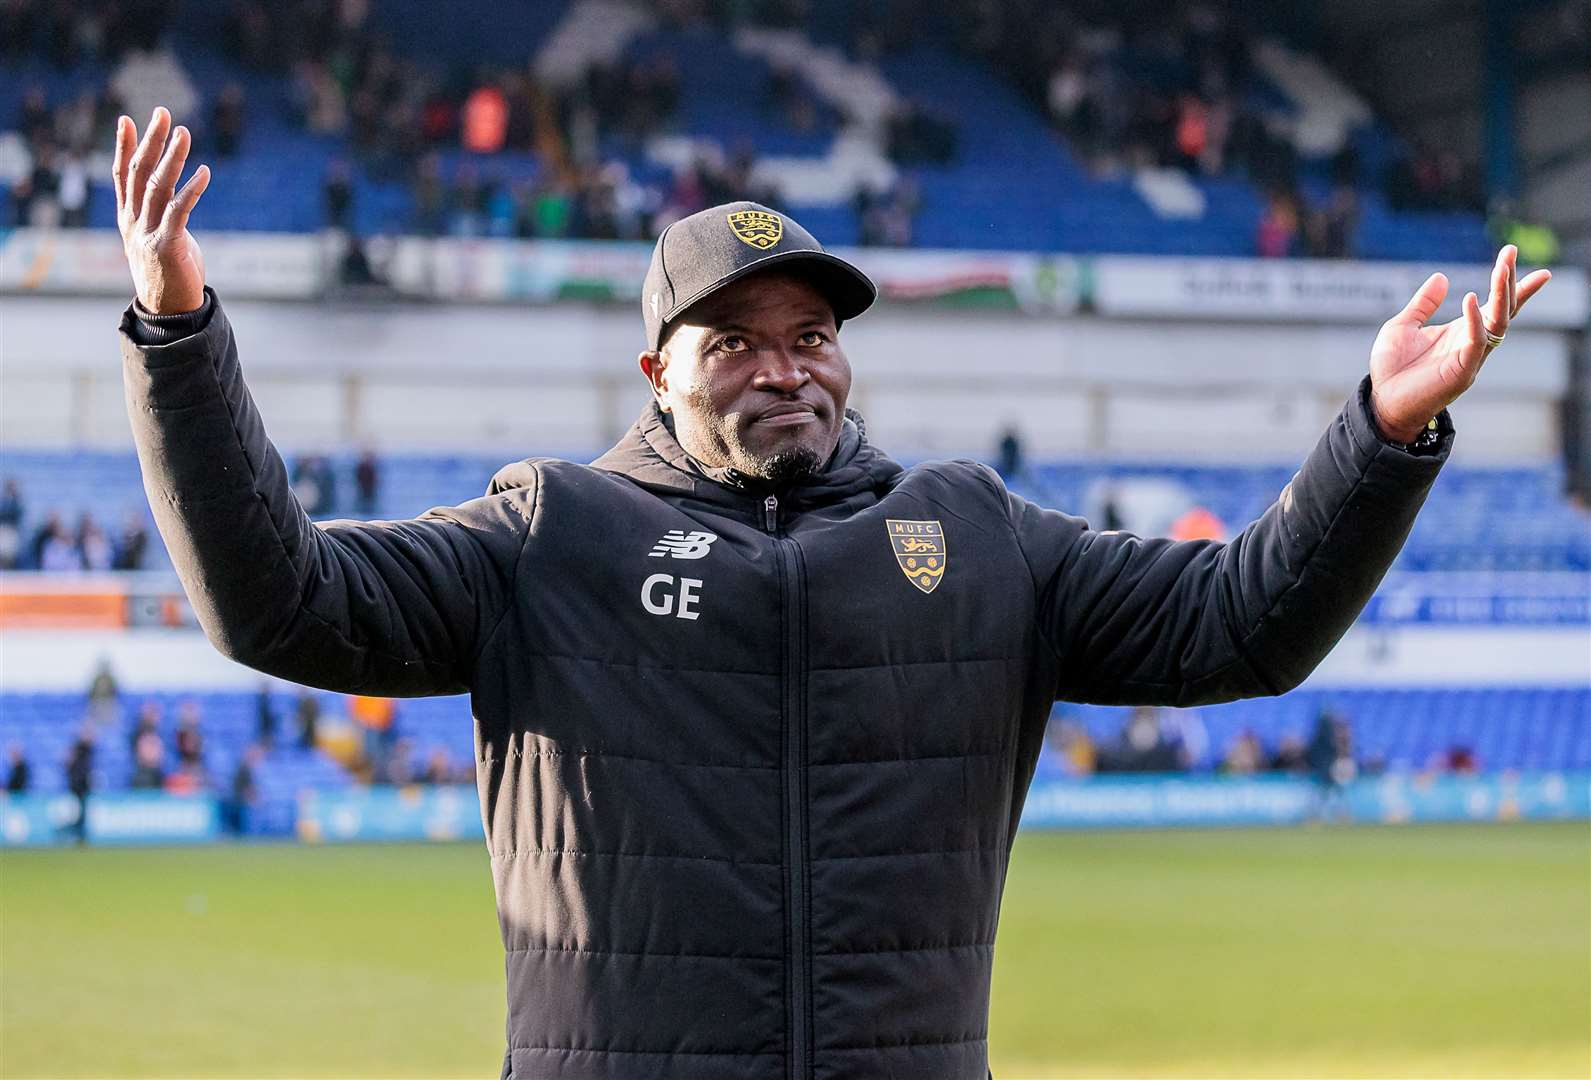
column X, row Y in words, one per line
column 1416, row 370
column 167, row 266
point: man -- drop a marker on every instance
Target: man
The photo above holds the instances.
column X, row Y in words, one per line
column 756, row 709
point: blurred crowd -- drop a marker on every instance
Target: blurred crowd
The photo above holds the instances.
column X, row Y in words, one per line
column 52, row 544
column 170, row 753
column 1171, row 87
column 52, row 540
column 403, row 118
column 1155, row 740
column 315, row 483
column 489, row 151
column 496, row 150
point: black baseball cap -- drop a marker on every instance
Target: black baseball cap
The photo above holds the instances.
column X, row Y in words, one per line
column 698, row 255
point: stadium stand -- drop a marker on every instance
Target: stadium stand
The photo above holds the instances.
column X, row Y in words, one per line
column 619, row 119
column 1016, row 127
column 1403, row 730
column 1482, row 519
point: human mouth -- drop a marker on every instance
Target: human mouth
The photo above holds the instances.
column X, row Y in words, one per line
column 787, row 415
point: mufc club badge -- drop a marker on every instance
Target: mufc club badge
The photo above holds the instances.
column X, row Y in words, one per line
column 920, row 550
column 758, row 228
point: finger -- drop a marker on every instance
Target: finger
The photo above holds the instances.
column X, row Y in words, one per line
column 1530, row 287
column 1497, row 308
column 126, row 134
column 144, row 159
column 1476, row 328
column 1512, row 254
column 164, row 180
column 1425, row 301
column 177, row 211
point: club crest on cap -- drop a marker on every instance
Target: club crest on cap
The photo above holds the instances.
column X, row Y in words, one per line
column 758, row 228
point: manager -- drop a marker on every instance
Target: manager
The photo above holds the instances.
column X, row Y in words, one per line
column 755, row 708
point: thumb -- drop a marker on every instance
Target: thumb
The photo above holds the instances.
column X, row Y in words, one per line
column 1427, row 298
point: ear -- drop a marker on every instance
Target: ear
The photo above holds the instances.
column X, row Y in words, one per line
column 654, row 365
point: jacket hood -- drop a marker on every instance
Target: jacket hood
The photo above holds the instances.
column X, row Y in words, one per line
column 649, row 455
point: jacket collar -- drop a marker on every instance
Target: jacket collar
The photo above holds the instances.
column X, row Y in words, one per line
column 650, row 456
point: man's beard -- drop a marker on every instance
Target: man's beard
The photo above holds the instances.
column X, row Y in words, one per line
column 782, row 467
column 778, row 467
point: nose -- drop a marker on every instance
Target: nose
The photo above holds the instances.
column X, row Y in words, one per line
column 781, row 371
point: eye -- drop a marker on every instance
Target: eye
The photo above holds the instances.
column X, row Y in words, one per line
column 732, row 343
column 811, row 339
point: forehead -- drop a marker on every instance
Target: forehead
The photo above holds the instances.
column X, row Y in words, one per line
column 770, row 297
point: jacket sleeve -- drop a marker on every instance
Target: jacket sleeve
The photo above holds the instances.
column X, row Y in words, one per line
column 397, row 608
column 1160, row 622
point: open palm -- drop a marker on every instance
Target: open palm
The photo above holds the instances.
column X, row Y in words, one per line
column 1417, row 370
column 166, row 264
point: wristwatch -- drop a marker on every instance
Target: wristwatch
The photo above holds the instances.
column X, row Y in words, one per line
column 1425, row 442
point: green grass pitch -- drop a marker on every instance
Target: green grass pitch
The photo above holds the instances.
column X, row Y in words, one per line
column 1414, row 951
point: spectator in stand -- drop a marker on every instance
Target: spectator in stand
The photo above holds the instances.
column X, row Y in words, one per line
column 318, row 98
column 1073, row 746
column 1143, row 746
column 93, row 546
column 887, row 217
column 1328, row 230
column 1009, row 462
column 72, row 192
column 396, row 766
column 18, row 773
column 243, row 792
column 56, row 550
column 315, row 485
column 12, row 510
column 466, row 202
column 80, row 779
column 1110, row 518
column 367, row 483
column 484, row 120
column 338, row 192
column 1460, row 760
column 430, row 197
column 438, row 769
column 264, row 717
column 34, row 119
column 916, row 137
column 377, row 718
column 76, row 124
column 38, row 196
column 186, row 780
column 1245, row 757
column 306, row 714
column 439, row 119
column 552, row 209
column 190, row 739
column 1329, row 758
column 149, row 761
column 1289, row 756
column 355, row 269
column 132, row 547
column 104, row 695
column 149, row 716
column 1197, row 523
column 226, row 121
column 1277, row 237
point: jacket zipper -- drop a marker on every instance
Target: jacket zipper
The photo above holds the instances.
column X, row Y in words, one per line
column 794, row 710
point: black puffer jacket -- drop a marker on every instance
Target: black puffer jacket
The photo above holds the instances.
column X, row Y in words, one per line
column 749, row 765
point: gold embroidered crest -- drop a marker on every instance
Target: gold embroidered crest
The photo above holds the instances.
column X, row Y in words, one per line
column 758, row 228
column 920, row 549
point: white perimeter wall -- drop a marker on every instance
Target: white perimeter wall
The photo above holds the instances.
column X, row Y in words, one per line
column 562, row 379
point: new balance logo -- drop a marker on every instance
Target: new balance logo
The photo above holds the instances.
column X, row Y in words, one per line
column 682, row 545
